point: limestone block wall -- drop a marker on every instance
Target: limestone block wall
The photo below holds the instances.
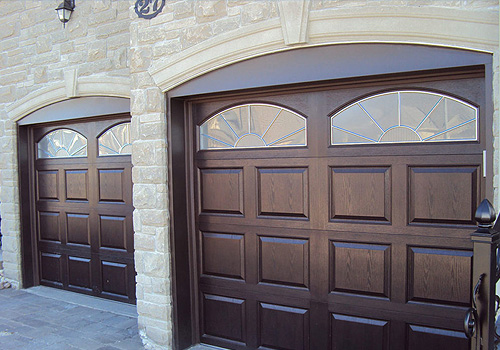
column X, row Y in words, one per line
column 150, row 197
column 41, row 63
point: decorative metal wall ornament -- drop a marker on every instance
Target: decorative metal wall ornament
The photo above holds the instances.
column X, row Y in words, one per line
column 149, row 8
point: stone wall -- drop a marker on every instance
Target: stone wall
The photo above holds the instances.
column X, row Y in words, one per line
column 151, row 215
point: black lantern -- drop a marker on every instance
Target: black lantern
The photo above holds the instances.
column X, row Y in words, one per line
column 64, row 10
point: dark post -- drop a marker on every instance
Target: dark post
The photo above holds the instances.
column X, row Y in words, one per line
column 484, row 276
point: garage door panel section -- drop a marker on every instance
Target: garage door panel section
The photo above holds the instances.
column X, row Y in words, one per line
column 444, row 195
column 48, row 184
column 78, row 228
column 283, row 327
column 112, row 185
column 349, row 332
column 284, row 261
column 359, row 268
column 116, row 279
column 419, row 337
column 283, row 192
column 223, row 317
column 77, row 185
column 448, row 284
column 51, row 268
column 223, row 255
column 80, row 273
column 221, row 191
column 49, row 224
column 361, row 194
column 113, row 232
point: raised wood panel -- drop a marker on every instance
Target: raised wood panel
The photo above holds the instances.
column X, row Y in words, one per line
column 443, row 194
column 48, row 224
column 114, row 278
column 223, row 317
column 284, row 261
column 221, row 191
column 111, row 185
column 79, row 272
column 112, row 232
column 283, row 192
column 48, row 184
column 283, row 327
column 360, row 268
column 78, row 228
column 223, row 254
column 357, row 333
column 361, row 194
column 51, row 268
column 427, row 338
column 77, row 185
column 439, row 275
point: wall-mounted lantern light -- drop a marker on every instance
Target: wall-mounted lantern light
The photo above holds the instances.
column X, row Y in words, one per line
column 64, row 10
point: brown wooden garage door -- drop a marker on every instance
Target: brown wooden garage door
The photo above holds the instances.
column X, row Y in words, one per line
column 338, row 217
column 83, row 202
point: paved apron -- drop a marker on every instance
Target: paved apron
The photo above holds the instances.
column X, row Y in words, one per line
column 39, row 321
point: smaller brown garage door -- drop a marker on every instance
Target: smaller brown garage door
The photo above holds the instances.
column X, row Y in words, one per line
column 83, row 207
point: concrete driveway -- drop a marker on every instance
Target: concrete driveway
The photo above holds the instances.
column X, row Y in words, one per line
column 44, row 318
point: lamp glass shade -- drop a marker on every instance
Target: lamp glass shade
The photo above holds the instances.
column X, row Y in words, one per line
column 64, row 15
column 64, row 11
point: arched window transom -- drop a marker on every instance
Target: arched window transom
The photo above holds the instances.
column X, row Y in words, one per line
column 116, row 141
column 405, row 116
column 253, row 126
column 62, row 143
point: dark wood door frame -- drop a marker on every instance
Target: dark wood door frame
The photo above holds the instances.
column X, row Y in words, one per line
column 180, row 223
column 180, row 135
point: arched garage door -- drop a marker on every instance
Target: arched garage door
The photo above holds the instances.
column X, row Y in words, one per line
column 82, row 200
column 337, row 216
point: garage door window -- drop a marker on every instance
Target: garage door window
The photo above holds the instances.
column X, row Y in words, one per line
column 405, row 116
column 116, row 141
column 62, row 143
column 253, row 126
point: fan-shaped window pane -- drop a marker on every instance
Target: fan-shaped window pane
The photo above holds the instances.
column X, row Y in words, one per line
column 253, row 126
column 116, row 141
column 405, row 116
column 62, row 143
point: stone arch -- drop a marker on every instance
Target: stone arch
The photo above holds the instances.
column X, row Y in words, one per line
column 403, row 25
column 70, row 88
